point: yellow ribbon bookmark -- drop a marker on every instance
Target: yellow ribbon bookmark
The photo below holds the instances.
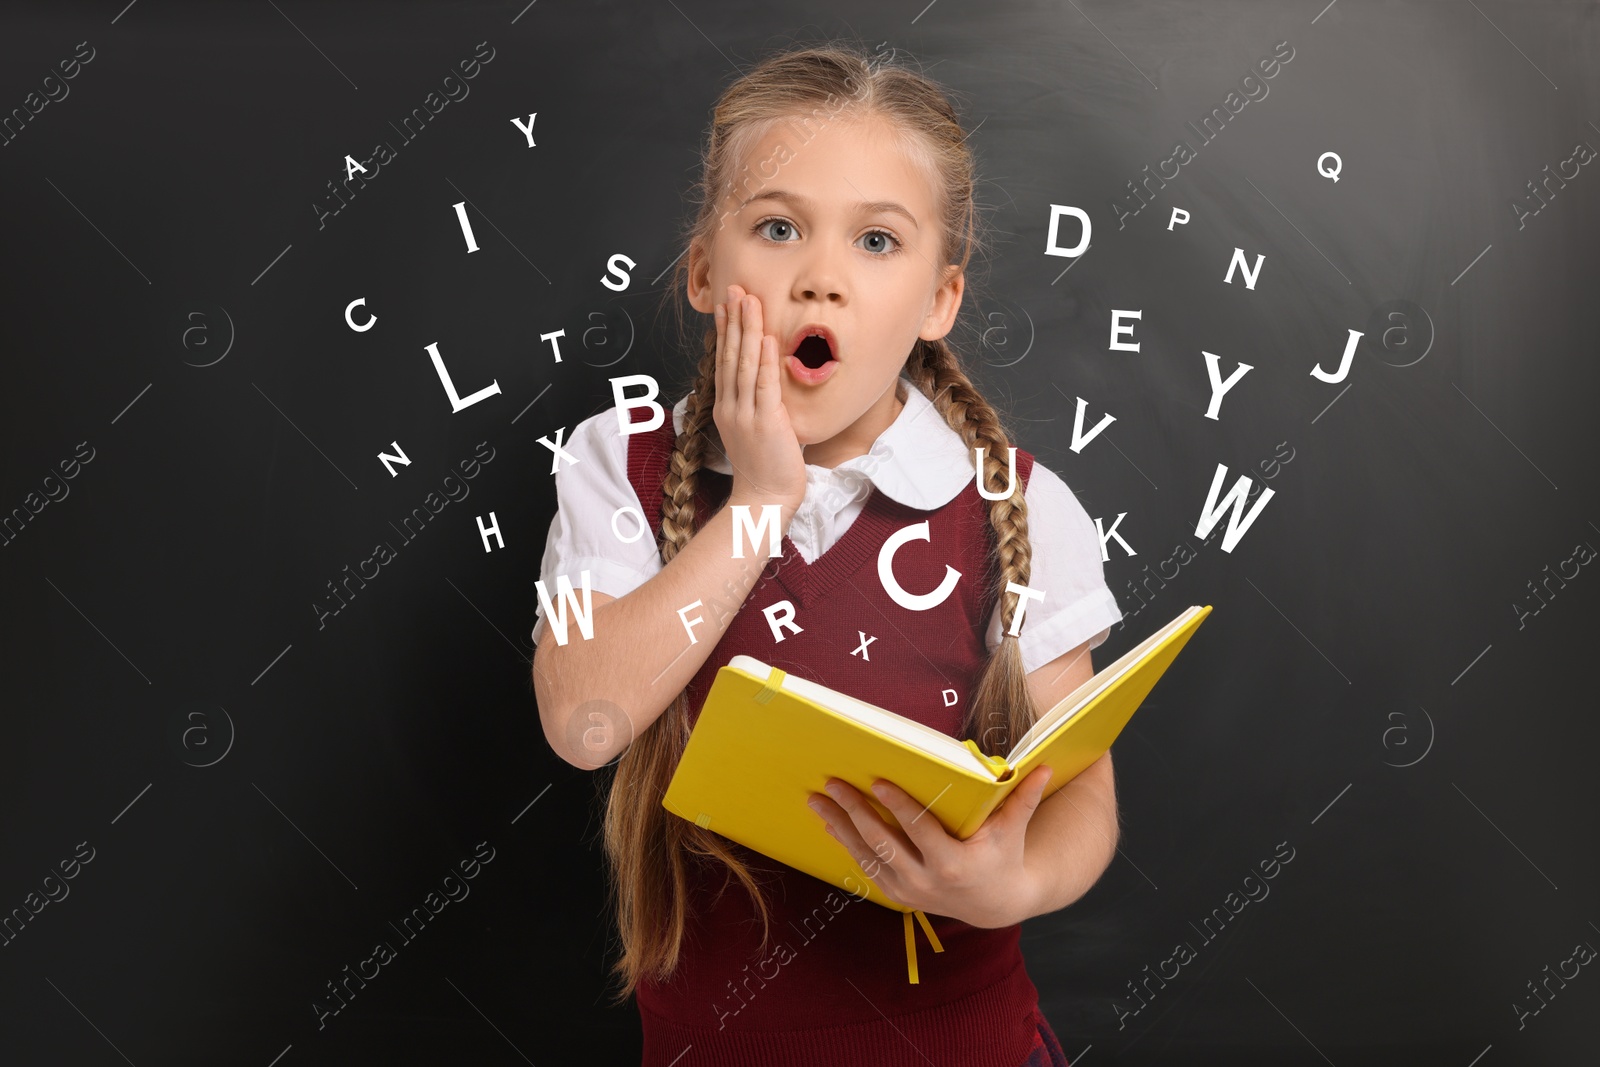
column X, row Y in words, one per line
column 911, row 941
column 770, row 687
column 996, row 764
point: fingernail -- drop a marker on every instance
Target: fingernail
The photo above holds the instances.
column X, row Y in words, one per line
column 815, row 806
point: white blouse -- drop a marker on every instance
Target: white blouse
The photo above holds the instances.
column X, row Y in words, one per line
column 918, row 461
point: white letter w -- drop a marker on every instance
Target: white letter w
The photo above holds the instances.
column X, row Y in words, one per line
column 1237, row 496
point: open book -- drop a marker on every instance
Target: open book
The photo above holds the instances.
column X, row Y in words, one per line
column 766, row 740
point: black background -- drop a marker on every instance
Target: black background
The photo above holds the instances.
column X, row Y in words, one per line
column 1363, row 692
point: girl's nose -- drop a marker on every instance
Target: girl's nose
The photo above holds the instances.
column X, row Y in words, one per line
column 821, row 284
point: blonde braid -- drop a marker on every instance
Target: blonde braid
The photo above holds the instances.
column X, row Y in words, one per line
column 648, row 846
column 1002, row 702
column 688, row 457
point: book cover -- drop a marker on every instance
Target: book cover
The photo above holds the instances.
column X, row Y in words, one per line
column 765, row 740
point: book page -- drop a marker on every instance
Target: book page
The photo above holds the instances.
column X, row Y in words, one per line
column 918, row 735
column 1076, row 700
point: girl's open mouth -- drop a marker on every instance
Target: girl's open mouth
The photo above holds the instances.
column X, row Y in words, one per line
column 811, row 359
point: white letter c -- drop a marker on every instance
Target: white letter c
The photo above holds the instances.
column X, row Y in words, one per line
column 358, row 302
column 915, row 532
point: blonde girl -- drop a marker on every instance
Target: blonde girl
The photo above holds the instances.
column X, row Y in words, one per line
column 835, row 223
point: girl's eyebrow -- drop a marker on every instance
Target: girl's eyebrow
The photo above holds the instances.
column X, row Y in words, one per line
column 803, row 204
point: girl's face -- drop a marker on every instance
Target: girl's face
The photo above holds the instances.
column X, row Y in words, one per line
column 839, row 231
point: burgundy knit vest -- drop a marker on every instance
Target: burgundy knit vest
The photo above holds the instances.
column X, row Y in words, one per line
column 831, row 986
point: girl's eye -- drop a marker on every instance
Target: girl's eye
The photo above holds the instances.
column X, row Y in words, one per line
column 779, row 225
column 886, row 235
column 785, row 223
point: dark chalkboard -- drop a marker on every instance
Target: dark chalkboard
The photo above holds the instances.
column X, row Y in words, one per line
column 233, row 764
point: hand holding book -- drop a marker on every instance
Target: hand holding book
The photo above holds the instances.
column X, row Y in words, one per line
column 981, row 880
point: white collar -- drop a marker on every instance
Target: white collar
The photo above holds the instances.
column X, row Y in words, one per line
column 919, row 461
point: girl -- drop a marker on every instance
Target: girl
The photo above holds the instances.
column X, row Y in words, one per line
column 830, row 248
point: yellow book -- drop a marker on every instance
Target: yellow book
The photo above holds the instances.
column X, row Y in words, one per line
column 766, row 740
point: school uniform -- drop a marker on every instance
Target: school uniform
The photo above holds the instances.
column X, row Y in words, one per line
column 832, row 985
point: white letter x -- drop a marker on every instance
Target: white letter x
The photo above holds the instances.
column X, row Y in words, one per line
column 557, row 452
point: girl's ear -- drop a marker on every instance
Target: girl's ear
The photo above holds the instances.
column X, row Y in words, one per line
column 699, row 280
column 941, row 316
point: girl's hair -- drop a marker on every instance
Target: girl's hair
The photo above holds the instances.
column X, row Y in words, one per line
column 650, row 850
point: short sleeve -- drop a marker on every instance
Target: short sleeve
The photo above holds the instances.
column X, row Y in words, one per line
column 1077, row 606
column 588, row 494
